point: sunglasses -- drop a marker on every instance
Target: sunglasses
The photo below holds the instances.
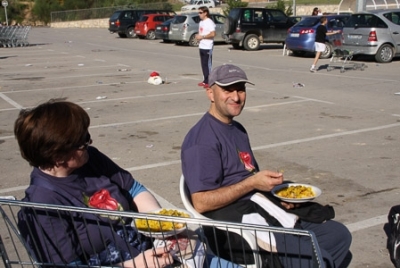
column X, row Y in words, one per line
column 85, row 145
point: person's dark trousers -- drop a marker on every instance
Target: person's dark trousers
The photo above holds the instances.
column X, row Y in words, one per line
column 206, row 63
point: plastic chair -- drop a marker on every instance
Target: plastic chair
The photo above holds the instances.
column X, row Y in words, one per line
column 250, row 239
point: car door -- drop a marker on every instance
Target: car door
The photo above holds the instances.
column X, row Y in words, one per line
column 252, row 19
column 219, row 27
column 394, row 18
column 278, row 24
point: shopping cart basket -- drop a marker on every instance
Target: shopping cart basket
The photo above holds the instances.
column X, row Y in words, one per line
column 13, row 36
column 342, row 59
column 15, row 253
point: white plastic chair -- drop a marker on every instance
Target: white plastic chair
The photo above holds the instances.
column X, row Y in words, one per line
column 250, row 239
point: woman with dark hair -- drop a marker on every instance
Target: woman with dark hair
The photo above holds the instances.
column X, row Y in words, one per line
column 55, row 140
column 315, row 11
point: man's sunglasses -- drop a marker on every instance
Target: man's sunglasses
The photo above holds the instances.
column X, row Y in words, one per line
column 85, row 145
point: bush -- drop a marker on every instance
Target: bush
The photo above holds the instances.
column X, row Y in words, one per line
column 233, row 4
column 280, row 4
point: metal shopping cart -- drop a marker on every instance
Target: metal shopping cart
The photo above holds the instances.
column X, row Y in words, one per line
column 210, row 234
column 342, row 59
column 13, row 36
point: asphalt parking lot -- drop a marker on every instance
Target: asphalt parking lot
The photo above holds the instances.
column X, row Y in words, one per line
column 340, row 131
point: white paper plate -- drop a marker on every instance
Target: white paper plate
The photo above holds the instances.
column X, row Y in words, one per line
column 163, row 234
column 315, row 189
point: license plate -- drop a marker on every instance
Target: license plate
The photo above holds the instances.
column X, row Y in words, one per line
column 294, row 35
column 158, row 28
column 112, row 23
column 354, row 36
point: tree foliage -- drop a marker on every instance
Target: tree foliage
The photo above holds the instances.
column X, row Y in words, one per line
column 280, row 4
column 233, row 4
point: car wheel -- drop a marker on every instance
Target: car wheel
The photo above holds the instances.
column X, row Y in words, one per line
column 299, row 53
column 229, row 26
column 193, row 42
column 251, row 42
column 151, row 35
column 236, row 46
column 122, row 35
column 130, row 32
column 385, row 54
column 328, row 51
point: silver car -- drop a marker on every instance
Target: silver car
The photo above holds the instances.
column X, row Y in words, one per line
column 375, row 32
column 184, row 28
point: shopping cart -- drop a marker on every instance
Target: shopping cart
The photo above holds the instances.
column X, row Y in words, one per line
column 210, row 234
column 342, row 59
column 13, row 36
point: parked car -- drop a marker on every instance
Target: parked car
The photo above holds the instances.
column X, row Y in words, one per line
column 197, row 4
column 145, row 27
column 375, row 32
column 301, row 37
column 162, row 30
column 249, row 27
column 123, row 21
column 184, row 28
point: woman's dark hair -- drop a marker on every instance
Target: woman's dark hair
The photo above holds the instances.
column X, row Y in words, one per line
column 50, row 132
column 315, row 11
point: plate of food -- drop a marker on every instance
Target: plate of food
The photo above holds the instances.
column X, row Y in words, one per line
column 160, row 228
column 296, row 192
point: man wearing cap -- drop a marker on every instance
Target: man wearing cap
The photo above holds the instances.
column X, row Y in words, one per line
column 223, row 177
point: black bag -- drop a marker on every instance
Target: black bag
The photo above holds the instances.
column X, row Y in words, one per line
column 393, row 243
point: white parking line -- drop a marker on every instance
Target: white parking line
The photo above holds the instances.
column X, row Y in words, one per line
column 10, row 101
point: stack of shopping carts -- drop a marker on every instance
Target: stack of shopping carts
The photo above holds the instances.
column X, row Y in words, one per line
column 341, row 58
column 14, row 36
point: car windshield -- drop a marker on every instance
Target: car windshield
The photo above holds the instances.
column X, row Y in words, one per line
column 365, row 21
column 308, row 22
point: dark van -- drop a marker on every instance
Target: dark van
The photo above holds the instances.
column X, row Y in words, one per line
column 123, row 21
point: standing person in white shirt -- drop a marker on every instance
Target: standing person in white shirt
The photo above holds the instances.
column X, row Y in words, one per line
column 206, row 37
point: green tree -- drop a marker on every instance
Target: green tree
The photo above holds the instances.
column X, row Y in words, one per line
column 42, row 9
column 233, row 4
column 280, row 4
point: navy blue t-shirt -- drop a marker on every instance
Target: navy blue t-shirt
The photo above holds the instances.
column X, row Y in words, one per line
column 211, row 155
column 67, row 245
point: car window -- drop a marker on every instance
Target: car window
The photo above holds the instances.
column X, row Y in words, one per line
column 393, row 17
column 336, row 23
column 179, row 19
column 234, row 13
column 278, row 16
column 115, row 15
column 218, row 19
column 308, row 22
column 247, row 15
column 258, row 16
column 365, row 21
column 143, row 18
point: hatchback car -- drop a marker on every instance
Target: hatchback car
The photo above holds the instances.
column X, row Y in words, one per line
column 123, row 21
column 184, row 28
column 145, row 27
column 375, row 32
column 162, row 30
column 301, row 37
